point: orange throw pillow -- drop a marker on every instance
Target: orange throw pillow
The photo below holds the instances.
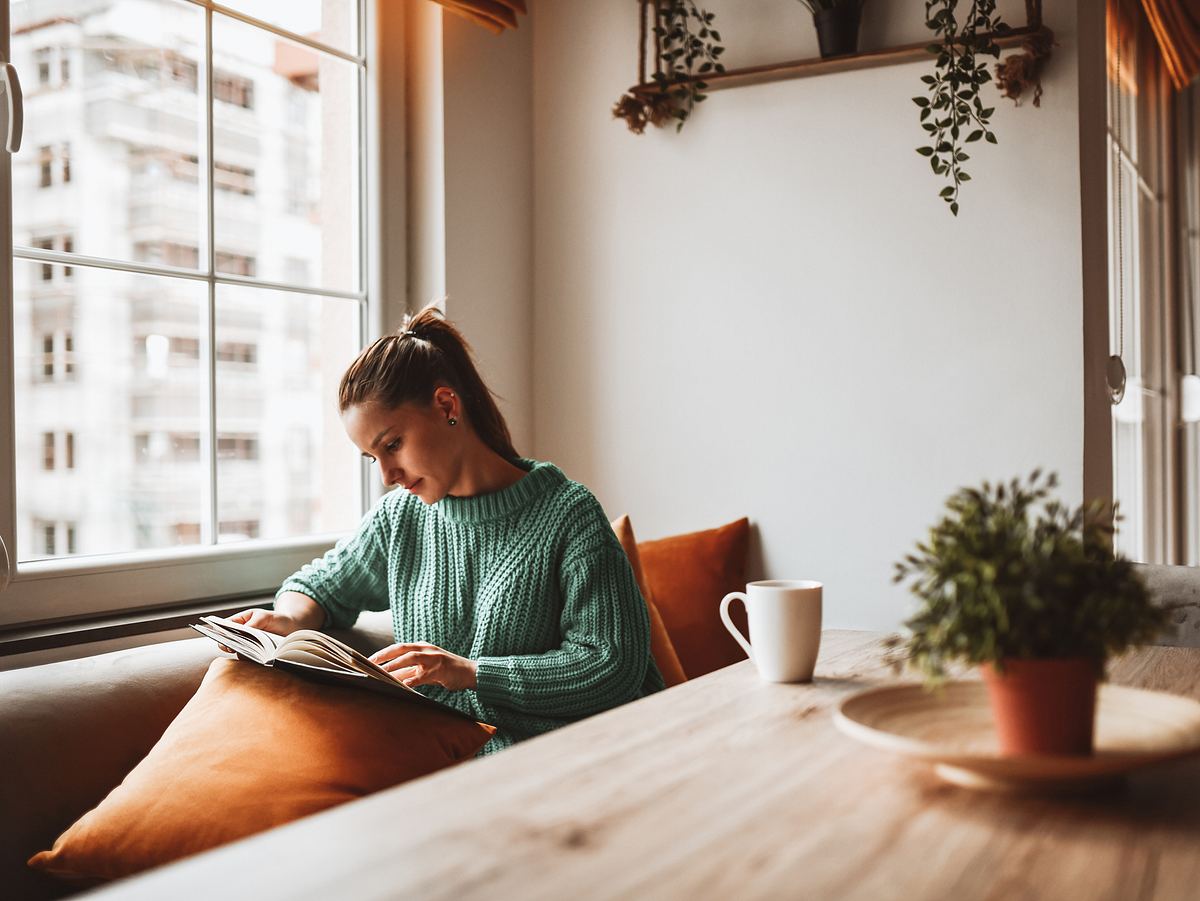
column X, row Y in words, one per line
column 661, row 647
column 687, row 576
column 254, row 748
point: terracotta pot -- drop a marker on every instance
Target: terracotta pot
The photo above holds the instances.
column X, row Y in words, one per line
column 1044, row 706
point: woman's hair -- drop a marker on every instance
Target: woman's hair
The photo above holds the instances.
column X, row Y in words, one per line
column 412, row 362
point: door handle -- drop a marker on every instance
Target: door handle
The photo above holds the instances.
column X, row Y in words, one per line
column 11, row 86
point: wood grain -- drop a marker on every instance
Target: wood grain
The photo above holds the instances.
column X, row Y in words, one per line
column 728, row 787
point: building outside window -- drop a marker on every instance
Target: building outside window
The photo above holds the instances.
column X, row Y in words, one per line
column 188, row 299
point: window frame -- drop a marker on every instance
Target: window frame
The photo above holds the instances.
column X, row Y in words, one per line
column 65, row 589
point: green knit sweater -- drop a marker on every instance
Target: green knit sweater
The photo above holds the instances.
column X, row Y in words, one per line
column 529, row 582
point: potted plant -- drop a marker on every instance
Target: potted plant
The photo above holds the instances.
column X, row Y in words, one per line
column 836, row 22
column 1014, row 582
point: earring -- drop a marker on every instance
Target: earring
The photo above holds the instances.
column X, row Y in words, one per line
column 452, row 421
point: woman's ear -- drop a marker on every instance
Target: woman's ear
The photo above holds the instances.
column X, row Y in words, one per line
column 447, row 403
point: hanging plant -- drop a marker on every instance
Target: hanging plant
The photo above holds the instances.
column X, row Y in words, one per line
column 953, row 114
column 687, row 47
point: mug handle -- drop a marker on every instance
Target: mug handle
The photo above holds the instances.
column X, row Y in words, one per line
column 733, row 630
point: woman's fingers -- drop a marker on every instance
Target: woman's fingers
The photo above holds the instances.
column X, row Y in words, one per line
column 395, row 650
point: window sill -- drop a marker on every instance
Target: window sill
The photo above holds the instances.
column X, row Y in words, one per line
column 58, row 636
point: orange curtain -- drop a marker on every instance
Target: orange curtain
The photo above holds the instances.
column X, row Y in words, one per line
column 1176, row 25
column 494, row 15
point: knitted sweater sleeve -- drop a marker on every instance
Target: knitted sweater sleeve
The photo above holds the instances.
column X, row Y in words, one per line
column 351, row 576
column 605, row 651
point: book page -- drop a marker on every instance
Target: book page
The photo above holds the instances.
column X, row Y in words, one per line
column 339, row 650
column 268, row 641
column 239, row 644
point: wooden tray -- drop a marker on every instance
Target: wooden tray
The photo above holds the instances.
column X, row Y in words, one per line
column 952, row 728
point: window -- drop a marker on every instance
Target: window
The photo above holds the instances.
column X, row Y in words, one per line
column 61, row 243
column 178, row 285
column 237, row 352
column 1140, row 307
column 46, row 159
column 47, row 357
column 234, row 263
column 239, row 529
column 233, row 89
column 237, row 447
column 42, row 56
column 234, row 179
column 45, row 167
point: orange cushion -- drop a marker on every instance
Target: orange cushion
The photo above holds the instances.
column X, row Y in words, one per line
column 254, row 748
column 661, row 647
column 687, row 576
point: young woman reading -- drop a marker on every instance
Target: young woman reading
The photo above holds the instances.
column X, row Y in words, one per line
column 511, row 598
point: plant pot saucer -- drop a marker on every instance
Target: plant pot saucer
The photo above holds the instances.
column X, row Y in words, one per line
column 952, row 729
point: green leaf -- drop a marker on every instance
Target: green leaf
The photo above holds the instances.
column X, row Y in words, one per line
column 962, row 176
column 974, row 136
column 925, row 151
column 921, row 101
column 947, row 191
column 991, row 138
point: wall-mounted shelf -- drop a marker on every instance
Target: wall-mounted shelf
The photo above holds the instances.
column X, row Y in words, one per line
column 804, row 68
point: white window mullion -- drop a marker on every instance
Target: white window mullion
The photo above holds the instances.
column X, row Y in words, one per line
column 209, row 529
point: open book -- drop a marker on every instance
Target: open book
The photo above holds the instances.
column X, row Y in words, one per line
column 314, row 654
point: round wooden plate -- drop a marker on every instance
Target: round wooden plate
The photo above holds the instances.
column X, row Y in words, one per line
column 952, row 728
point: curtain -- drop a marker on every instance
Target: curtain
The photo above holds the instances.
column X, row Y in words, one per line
column 494, row 15
column 1176, row 25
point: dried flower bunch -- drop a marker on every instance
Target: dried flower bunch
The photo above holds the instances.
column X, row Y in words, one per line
column 688, row 47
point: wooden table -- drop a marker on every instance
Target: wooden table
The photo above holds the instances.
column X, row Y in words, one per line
column 727, row 787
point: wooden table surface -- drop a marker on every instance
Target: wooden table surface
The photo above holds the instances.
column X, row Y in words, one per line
column 727, row 787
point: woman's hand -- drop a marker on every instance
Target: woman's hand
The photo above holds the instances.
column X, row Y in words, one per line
column 292, row 611
column 420, row 663
column 268, row 621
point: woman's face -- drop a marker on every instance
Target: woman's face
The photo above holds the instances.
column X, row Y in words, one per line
column 415, row 446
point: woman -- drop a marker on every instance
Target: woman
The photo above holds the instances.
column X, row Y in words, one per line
column 511, row 598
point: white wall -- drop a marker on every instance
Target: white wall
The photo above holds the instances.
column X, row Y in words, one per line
column 487, row 116
column 771, row 314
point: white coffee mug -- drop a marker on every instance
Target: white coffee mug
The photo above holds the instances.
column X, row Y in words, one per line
column 785, row 626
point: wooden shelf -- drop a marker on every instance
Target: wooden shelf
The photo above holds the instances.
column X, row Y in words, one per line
column 805, row 68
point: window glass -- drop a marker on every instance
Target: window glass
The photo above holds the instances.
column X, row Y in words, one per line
column 284, row 109
column 330, row 22
column 109, row 131
column 135, row 390
column 120, row 428
column 284, row 462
